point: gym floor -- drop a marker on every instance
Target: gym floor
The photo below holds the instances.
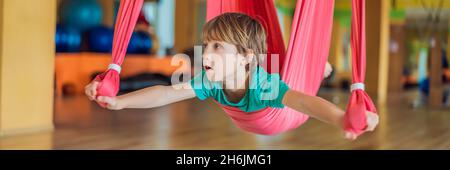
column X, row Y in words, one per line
column 193, row 124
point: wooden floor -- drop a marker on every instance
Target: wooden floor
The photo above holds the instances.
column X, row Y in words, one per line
column 193, row 124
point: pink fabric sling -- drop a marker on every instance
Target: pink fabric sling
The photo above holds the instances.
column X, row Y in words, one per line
column 126, row 21
column 355, row 118
column 301, row 67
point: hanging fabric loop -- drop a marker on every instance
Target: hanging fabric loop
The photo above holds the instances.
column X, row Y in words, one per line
column 127, row 17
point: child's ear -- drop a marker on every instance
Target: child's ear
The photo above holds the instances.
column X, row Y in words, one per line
column 243, row 60
column 250, row 56
column 249, row 52
column 246, row 59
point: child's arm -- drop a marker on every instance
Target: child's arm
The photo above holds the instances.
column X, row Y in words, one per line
column 323, row 110
column 315, row 107
column 149, row 97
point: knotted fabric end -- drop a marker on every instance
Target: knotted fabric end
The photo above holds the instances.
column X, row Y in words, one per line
column 115, row 67
column 357, row 86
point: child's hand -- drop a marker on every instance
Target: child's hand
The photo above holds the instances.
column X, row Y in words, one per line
column 112, row 103
column 328, row 70
column 372, row 123
column 91, row 90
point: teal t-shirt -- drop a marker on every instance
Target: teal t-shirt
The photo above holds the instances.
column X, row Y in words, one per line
column 265, row 90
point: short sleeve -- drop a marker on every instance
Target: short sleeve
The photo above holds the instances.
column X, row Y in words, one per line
column 273, row 91
column 201, row 86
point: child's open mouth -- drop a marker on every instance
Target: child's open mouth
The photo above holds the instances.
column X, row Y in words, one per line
column 207, row 68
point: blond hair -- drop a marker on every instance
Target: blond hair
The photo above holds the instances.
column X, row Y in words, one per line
column 240, row 30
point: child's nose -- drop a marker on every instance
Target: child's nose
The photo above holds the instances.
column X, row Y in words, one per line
column 206, row 57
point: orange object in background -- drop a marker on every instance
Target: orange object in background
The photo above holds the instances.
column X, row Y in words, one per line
column 447, row 73
column 76, row 69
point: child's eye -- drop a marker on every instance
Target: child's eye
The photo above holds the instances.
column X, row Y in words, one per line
column 217, row 46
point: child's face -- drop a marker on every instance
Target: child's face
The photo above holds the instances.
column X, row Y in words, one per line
column 222, row 61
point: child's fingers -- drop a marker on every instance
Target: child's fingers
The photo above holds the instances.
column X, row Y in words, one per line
column 372, row 121
column 350, row 136
column 91, row 90
column 105, row 99
column 89, row 93
column 110, row 101
column 94, row 88
column 95, row 83
column 328, row 70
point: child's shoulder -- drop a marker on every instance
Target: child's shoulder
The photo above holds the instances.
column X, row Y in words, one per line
column 264, row 78
column 262, row 74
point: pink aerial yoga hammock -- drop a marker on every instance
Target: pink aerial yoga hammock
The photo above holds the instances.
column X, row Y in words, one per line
column 355, row 119
column 301, row 67
column 127, row 16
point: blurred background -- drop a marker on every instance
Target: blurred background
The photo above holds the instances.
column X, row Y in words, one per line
column 51, row 49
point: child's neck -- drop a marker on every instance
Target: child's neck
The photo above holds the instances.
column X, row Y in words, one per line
column 236, row 83
column 236, row 88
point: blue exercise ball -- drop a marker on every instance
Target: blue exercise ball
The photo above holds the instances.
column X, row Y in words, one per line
column 67, row 39
column 424, row 86
column 145, row 43
column 81, row 14
column 100, row 39
column 140, row 43
column 59, row 37
column 133, row 45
